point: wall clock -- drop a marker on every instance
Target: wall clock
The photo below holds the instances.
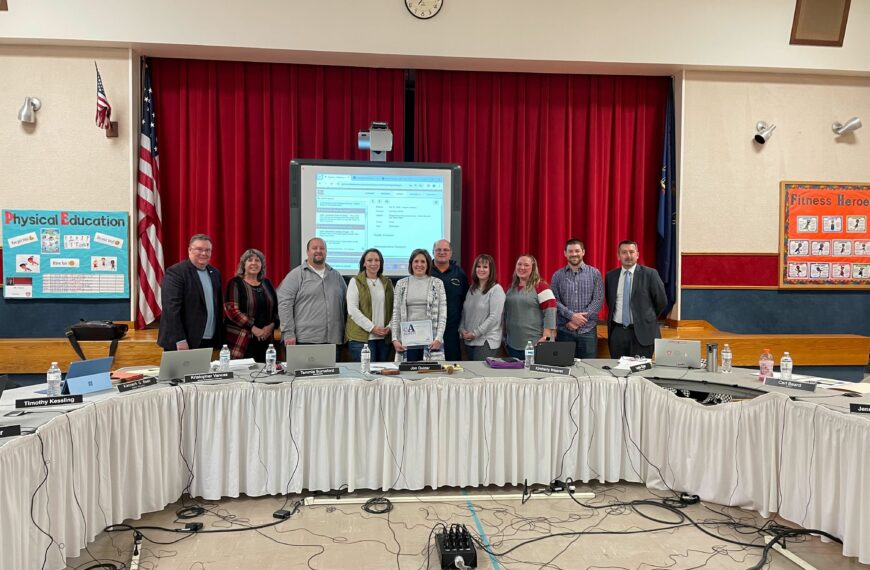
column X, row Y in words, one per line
column 424, row 9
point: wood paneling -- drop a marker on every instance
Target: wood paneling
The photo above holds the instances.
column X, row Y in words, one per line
column 805, row 349
column 35, row 355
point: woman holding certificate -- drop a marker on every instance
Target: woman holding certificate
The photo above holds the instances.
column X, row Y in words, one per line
column 529, row 308
column 419, row 311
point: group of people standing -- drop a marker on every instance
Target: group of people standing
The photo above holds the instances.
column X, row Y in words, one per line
column 314, row 305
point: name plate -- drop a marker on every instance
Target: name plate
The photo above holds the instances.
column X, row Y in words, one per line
column 208, row 376
column 50, row 401
column 793, row 384
column 308, row 372
column 10, row 431
column 415, row 366
column 546, row 369
column 134, row 384
column 859, row 408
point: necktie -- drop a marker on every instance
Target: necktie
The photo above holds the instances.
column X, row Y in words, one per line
column 626, row 299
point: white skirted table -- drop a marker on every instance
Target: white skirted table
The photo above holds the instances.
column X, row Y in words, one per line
column 120, row 456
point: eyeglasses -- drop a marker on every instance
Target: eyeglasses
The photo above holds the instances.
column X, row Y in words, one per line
column 443, row 250
column 201, row 249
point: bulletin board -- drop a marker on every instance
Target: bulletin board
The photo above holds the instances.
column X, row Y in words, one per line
column 824, row 240
column 64, row 254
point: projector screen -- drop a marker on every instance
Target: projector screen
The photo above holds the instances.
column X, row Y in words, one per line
column 394, row 206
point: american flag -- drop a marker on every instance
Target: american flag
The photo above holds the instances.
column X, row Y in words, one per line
column 104, row 110
column 149, row 228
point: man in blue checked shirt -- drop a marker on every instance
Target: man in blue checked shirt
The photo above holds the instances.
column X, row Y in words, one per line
column 579, row 292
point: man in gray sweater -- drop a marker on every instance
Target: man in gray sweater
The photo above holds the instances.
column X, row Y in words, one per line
column 311, row 300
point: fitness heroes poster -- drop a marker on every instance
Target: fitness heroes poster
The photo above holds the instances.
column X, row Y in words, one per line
column 62, row 254
column 825, row 242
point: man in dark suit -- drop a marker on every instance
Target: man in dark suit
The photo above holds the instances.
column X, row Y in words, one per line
column 192, row 301
column 635, row 296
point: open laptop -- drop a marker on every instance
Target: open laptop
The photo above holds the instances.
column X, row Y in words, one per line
column 175, row 364
column 309, row 356
column 678, row 353
column 86, row 376
column 557, row 353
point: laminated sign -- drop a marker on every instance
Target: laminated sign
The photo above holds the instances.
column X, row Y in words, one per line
column 824, row 242
column 61, row 254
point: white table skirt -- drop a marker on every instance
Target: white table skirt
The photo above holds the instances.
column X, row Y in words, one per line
column 769, row 454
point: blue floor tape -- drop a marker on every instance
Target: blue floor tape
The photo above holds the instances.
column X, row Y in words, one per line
column 481, row 532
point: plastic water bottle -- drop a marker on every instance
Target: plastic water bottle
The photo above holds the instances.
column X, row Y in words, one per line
column 365, row 358
column 785, row 367
column 530, row 354
column 53, row 377
column 765, row 365
column 224, row 359
column 271, row 358
column 726, row 358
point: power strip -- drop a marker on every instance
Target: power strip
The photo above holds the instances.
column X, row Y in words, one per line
column 456, row 548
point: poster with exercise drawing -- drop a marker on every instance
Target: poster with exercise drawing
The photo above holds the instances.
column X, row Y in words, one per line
column 64, row 254
column 824, row 242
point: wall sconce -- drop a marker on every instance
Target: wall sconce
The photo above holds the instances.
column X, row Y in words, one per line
column 763, row 132
column 852, row 124
column 27, row 114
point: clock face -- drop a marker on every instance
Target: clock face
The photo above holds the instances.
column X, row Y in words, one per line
column 424, row 9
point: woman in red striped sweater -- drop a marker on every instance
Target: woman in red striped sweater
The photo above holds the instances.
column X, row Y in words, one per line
column 529, row 309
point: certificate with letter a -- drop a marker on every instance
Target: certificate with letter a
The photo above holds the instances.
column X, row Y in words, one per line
column 416, row 333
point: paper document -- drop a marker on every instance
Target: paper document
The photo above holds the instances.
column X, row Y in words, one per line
column 854, row 387
column 236, row 364
column 416, row 333
column 626, row 362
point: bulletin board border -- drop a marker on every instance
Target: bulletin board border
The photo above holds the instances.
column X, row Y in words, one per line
column 784, row 188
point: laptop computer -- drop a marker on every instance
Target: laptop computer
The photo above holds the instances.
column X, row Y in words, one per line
column 87, row 376
column 175, row 364
column 557, row 353
column 678, row 353
column 309, row 356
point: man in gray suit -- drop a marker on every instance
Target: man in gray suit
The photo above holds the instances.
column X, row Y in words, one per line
column 635, row 296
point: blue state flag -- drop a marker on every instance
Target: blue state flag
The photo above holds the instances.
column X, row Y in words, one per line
column 666, row 243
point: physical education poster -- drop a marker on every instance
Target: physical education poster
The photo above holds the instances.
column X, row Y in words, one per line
column 61, row 254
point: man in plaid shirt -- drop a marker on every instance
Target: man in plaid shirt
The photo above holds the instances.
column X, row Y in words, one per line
column 579, row 292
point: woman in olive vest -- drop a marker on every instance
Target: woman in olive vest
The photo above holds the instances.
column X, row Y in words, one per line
column 369, row 308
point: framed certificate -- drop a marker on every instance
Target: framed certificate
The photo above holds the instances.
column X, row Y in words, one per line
column 416, row 333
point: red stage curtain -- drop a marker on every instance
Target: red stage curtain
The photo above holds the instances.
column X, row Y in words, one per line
column 227, row 132
column 545, row 158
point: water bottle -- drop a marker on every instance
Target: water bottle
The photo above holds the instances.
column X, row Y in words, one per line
column 765, row 365
column 530, row 354
column 785, row 367
column 53, row 378
column 224, row 359
column 365, row 358
column 726, row 358
column 271, row 358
